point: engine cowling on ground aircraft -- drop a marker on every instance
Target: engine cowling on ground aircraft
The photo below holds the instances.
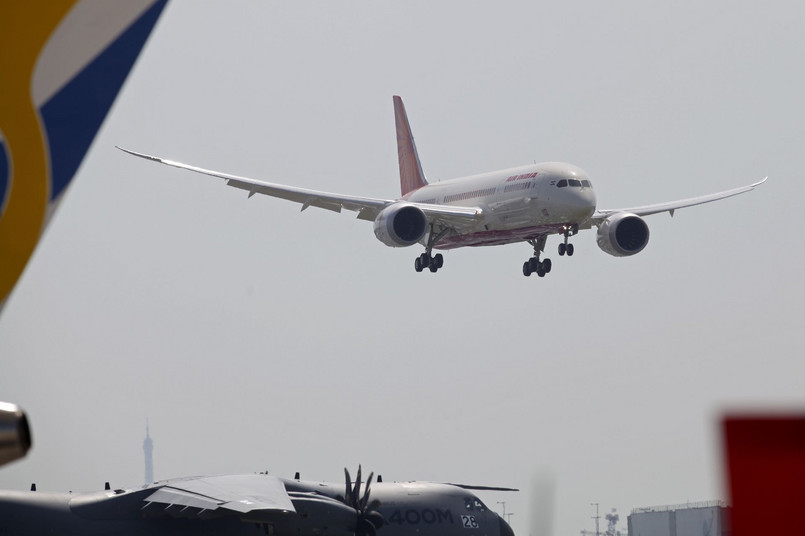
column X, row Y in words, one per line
column 15, row 435
column 623, row 234
column 400, row 225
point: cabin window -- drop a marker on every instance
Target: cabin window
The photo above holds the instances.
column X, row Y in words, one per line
column 586, row 183
column 562, row 183
column 575, row 183
column 517, row 186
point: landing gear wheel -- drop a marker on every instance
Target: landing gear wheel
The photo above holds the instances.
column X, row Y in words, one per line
column 569, row 250
column 565, row 247
column 534, row 265
column 426, row 261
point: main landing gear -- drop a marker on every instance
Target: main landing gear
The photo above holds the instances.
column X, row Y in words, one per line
column 534, row 265
column 541, row 267
column 426, row 260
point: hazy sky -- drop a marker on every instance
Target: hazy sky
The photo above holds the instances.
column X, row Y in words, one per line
column 253, row 336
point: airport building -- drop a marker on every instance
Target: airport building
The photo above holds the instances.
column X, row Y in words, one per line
column 691, row 519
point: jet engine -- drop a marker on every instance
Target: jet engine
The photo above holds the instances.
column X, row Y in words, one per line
column 623, row 234
column 400, row 225
column 15, row 436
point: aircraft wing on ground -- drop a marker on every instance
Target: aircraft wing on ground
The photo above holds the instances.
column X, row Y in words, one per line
column 671, row 206
column 367, row 207
column 233, row 494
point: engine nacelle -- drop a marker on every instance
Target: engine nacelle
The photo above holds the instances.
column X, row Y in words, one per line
column 15, row 436
column 400, row 225
column 623, row 234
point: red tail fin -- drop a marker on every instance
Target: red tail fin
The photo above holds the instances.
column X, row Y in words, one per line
column 766, row 465
column 411, row 175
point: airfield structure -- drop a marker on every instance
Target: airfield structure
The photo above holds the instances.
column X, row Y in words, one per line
column 691, row 519
column 612, row 522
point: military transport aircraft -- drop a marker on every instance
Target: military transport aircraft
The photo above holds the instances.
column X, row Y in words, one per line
column 522, row 204
column 257, row 504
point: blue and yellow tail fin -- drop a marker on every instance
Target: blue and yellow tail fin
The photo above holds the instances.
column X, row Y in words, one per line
column 62, row 64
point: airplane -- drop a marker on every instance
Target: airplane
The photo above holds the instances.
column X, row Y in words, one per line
column 257, row 504
column 521, row 204
column 69, row 61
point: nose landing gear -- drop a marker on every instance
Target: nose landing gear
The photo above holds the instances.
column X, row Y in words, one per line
column 564, row 247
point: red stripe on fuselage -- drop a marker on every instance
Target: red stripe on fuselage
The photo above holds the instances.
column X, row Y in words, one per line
column 498, row 238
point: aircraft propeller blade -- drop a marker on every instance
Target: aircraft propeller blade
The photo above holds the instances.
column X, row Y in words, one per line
column 369, row 519
column 356, row 491
column 365, row 497
column 348, row 487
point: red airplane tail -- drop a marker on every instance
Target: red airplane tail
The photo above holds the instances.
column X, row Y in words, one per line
column 411, row 175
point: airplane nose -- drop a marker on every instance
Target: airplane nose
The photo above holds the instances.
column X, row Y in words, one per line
column 580, row 204
column 585, row 197
column 505, row 529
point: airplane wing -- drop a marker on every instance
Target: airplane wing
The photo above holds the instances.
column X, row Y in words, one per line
column 670, row 207
column 480, row 488
column 367, row 207
column 242, row 495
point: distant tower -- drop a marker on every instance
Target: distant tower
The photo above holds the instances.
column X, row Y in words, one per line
column 148, row 448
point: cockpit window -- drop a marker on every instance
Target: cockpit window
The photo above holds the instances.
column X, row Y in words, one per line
column 574, row 183
column 474, row 505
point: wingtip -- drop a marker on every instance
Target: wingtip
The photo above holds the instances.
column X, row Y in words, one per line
column 141, row 155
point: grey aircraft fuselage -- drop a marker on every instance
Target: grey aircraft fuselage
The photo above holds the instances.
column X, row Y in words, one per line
column 407, row 508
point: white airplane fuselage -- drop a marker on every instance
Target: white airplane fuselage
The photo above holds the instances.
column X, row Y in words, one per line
column 518, row 204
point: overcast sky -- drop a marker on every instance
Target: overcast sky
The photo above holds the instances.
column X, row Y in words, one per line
column 254, row 337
